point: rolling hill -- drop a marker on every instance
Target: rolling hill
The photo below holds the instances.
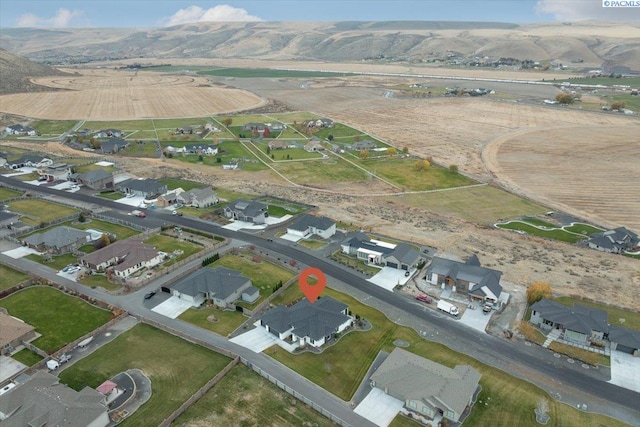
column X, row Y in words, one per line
column 15, row 73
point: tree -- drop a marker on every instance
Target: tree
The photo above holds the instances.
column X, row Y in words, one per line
column 103, row 241
column 421, row 165
column 218, row 159
column 392, row 151
column 565, row 98
column 618, row 105
column 537, row 291
column 200, row 158
column 405, row 150
column 330, row 137
column 453, row 168
column 364, row 154
column 227, row 121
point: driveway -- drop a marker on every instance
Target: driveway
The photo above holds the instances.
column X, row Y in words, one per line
column 476, row 318
column 172, row 308
column 19, row 252
column 389, row 278
column 291, row 237
column 9, row 367
column 379, row 408
column 256, row 340
column 243, row 225
column 625, row 370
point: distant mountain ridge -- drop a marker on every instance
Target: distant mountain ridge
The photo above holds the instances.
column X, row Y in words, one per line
column 589, row 43
column 15, row 73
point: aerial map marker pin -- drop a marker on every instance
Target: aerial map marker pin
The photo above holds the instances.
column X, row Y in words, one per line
column 312, row 292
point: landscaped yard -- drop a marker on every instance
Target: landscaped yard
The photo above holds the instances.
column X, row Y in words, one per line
column 10, row 277
column 244, row 395
column 554, row 233
column 172, row 184
column 340, row 370
column 353, row 262
column 176, row 368
column 312, row 244
column 227, row 320
column 39, row 211
column 60, row 318
column 582, row 355
column 99, row 280
column 5, row 193
column 617, row 316
column 58, row 262
column 111, row 195
column 169, row 244
column 27, row 357
column 53, row 127
column 584, row 229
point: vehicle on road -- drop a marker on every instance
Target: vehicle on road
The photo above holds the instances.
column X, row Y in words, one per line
column 138, row 213
column 176, row 213
column 149, row 295
column 424, row 298
column 448, row 308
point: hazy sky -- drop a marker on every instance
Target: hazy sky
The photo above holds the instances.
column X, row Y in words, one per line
column 157, row 13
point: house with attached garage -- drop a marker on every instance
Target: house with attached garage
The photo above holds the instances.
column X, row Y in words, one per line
column 30, row 161
column 280, row 145
column 198, row 197
column 363, row 145
column 313, row 146
column 58, row 240
column 427, row 388
column 308, row 225
column 614, row 241
column 20, row 130
column 467, row 278
column 247, row 210
column 112, row 146
column 209, row 150
column 124, row 256
column 43, row 401
column 308, row 324
column 222, row 286
column 401, row 256
column 109, row 133
column 98, row 179
column 142, row 187
column 55, row 172
column 13, row 332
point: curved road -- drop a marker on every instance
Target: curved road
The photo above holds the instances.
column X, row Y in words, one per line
column 486, row 348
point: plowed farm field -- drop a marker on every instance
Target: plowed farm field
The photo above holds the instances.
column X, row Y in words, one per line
column 118, row 95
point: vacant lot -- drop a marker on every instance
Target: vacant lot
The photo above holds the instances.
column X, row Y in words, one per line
column 39, row 305
column 10, row 277
column 243, row 394
column 5, row 193
column 156, row 353
column 53, row 127
column 170, row 245
column 39, row 211
column 113, row 95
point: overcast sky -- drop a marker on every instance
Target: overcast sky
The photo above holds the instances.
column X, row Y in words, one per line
column 159, row 13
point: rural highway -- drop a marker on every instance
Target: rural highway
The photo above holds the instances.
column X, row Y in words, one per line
column 497, row 352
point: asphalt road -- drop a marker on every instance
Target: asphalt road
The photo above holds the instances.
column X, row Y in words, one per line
column 497, row 352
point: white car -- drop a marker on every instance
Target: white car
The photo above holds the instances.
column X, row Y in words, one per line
column 73, row 269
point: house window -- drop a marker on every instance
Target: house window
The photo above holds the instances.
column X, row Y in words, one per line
column 427, row 411
column 450, row 415
column 412, row 404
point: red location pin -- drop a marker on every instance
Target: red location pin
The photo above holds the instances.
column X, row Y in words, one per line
column 312, row 292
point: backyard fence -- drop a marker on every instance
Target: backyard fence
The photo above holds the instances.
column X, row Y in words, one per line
column 124, row 222
column 11, row 235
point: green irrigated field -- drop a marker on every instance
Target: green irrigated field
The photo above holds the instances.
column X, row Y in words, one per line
column 38, row 211
column 156, row 353
column 606, row 81
column 10, row 277
column 267, row 73
column 289, row 118
column 341, row 131
column 53, row 127
column 321, row 171
column 173, row 124
column 123, row 125
column 241, row 120
column 38, row 305
column 555, row 233
column 243, row 394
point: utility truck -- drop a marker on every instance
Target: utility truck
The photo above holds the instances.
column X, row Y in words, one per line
column 448, row 308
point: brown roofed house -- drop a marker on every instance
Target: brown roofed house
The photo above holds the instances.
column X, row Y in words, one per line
column 12, row 332
column 126, row 257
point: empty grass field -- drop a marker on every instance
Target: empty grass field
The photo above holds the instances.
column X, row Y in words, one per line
column 481, row 205
column 123, row 125
column 289, row 118
column 5, row 193
column 312, row 244
column 172, row 184
column 141, row 149
column 340, row 370
column 321, row 172
column 226, row 322
column 243, row 394
column 39, row 305
column 156, row 353
column 10, row 277
column 53, row 127
column 39, row 211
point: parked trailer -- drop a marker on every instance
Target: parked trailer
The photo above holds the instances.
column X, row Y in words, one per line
column 448, row 308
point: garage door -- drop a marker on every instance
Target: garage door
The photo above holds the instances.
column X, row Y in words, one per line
column 392, row 265
column 625, row 349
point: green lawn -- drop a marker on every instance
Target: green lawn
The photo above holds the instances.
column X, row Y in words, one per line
column 40, row 306
column 580, row 354
column 354, row 263
column 58, row 262
column 312, row 244
column 120, row 231
column 605, row 81
column 177, row 140
column 111, row 195
column 53, row 127
column 228, row 321
column 94, row 167
column 27, row 357
column 555, row 233
column 481, row 205
column 289, row 118
column 169, row 244
column 340, row 370
column 538, row 222
column 228, row 151
column 244, row 398
column 99, row 280
column 584, row 229
column 10, row 277
column 617, row 316
column 172, row 184
column 230, row 195
column 268, row 73
column 340, row 130
column 403, row 173
column 175, row 367
column 39, row 211
column 321, row 172
column 243, row 119
column 123, row 125
column 143, row 149
column 5, row 194
column 173, row 124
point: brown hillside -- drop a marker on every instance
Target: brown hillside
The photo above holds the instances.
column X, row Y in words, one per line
column 16, row 72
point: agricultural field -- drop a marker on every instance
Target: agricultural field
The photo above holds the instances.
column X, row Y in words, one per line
column 244, row 394
column 149, row 349
column 38, row 211
column 634, row 82
column 10, row 277
column 37, row 305
column 123, row 125
column 267, row 73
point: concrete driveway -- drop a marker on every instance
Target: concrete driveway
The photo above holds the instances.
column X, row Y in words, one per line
column 256, row 340
column 9, row 367
column 243, row 225
column 625, row 370
column 19, row 252
column 389, row 278
column 172, row 308
column 379, row 408
column 476, row 318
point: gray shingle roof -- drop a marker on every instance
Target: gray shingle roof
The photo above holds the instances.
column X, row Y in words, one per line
column 144, row 185
column 481, row 276
column 624, row 336
column 57, row 237
column 315, row 321
column 95, row 175
column 43, row 401
column 306, row 221
column 219, row 282
column 198, row 194
column 27, row 158
column 110, row 145
column 620, row 238
column 405, row 254
column 131, row 251
column 579, row 318
column 7, row 215
column 247, row 207
column 410, row 377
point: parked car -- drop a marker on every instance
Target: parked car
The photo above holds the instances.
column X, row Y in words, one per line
column 149, row 295
column 487, row 308
column 424, row 298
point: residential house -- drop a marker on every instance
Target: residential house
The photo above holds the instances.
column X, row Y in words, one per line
column 370, row 251
column 112, row 146
column 614, row 241
column 109, row 133
column 625, row 340
column 199, row 197
column 425, row 387
column 20, row 130
column 142, row 187
column 29, row 160
column 280, row 144
column 55, row 172
column 231, row 166
column 305, row 323
column 260, row 130
column 247, row 210
column 319, row 123
column 125, row 256
column 402, row 257
column 363, row 145
column 8, row 218
column 167, row 199
column 222, row 286
column 579, row 323
column 468, row 278
column 209, row 150
column 58, row 240
column 43, row 401
column 308, row 225
column 172, row 149
column 98, row 179
column 13, row 332
column 314, row 145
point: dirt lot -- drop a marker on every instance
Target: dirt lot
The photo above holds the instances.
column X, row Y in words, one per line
column 114, row 95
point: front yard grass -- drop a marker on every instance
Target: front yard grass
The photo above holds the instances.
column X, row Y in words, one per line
column 532, row 333
column 60, row 318
column 5, row 194
column 312, row 244
column 244, row 395
column 99, row 280
column 177, row 369
column 169, row 244
column 27, row 357
column 10, row 277
column 580, row 354
column 228, row 320
column 354, row 263
column 340, row 370
column 39, row 211
column 111, row 195
column 58, row 262
column 617, row 316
